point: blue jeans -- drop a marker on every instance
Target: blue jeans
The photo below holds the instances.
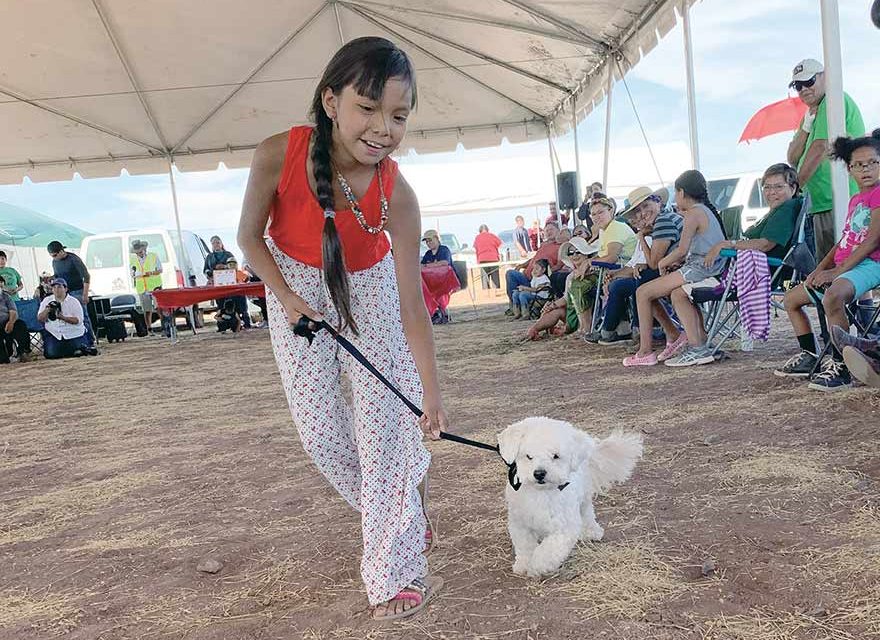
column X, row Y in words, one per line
column 53, row 348
column 621, row 294
column 513, row 279
column 89, row 336
column 523, row 299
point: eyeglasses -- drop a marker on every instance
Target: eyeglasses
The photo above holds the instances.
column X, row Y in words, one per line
column 863, row 166
column 775, row 187
column 798, row 85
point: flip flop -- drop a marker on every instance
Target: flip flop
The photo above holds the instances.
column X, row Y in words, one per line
column 420, row 591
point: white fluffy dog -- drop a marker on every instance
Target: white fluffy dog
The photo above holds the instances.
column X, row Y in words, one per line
column 560, row 470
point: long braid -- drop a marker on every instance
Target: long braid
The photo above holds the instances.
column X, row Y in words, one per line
column 335, row 273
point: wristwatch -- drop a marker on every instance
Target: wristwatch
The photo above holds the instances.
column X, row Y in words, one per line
column 733, row 244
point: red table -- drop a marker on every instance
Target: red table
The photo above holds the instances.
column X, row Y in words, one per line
column 188, row 296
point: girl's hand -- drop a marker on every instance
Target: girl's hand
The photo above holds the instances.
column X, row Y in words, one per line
column 434, row 419
column 824, row 277
column 713, row 254
column 294, row 307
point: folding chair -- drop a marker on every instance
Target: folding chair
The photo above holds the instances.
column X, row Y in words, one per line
column 27, row 313
column 723, row 320
column 852, row 314
column 604, row 268
column 536, row 306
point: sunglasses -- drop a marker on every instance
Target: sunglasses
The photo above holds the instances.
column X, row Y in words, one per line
column 797, row 85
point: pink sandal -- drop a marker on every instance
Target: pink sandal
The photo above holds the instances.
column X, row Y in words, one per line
column 635, row 360
column 419, row 592
column 673, row 348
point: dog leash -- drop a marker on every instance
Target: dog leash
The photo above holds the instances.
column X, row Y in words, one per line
column 304, row 328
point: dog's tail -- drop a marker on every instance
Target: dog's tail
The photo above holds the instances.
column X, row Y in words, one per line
column 614, row 459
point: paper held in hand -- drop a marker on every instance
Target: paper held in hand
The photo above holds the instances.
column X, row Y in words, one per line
column 224, row 277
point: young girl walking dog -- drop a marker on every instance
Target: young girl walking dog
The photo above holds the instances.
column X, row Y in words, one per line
column 329, row 193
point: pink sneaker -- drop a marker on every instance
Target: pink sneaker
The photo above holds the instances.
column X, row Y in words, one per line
column 673, row 348
column 636, row 360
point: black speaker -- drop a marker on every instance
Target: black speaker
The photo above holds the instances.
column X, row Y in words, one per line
column 566, row 190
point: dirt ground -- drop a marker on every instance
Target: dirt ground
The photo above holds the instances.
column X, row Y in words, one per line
column 120, row 474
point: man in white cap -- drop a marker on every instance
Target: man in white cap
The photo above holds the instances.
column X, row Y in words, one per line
column 808, row 151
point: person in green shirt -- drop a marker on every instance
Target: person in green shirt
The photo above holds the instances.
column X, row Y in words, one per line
column 808, row 150
column 771, row 234
column 11, row 278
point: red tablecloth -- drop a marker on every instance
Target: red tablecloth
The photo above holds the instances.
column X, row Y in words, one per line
column 172, row 298
column 438, row 283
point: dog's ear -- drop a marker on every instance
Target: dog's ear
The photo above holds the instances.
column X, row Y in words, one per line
column 509, row 441
column 581, row 447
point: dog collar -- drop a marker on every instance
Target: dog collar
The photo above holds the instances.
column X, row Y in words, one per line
column 511, row 476
column 562, row 486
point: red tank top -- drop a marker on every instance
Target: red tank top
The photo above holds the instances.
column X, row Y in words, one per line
column 297, row 220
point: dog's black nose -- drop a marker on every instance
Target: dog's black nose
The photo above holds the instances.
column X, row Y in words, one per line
column 539, row 474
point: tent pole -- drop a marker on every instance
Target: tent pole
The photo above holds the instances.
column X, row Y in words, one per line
column 608, row 122
column 553, row 174
column 691, row 90
column 835, row 105
column 174, row 199
column 577, row 155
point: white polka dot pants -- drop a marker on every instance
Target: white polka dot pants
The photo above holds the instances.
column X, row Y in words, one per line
column 371, row 451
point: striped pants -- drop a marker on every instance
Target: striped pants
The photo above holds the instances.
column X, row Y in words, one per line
column 370, row 451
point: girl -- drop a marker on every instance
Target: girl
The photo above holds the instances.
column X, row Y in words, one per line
column 701, row 231
column 846, row 273
column 540, row 288
column 329, row 194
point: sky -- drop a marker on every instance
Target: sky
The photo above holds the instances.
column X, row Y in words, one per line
column 743, row 54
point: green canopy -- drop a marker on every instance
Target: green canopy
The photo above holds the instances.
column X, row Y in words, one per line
column 26, row 228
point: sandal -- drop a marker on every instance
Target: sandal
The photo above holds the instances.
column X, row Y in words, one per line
column 420, row 591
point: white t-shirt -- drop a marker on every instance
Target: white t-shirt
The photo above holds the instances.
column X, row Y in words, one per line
column 541, row 281
column 639, row 255
column 70, row 308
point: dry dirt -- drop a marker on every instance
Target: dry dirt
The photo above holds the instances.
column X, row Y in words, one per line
column 120, row 474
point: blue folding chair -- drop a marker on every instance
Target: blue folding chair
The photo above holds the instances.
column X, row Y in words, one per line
column 27, row 313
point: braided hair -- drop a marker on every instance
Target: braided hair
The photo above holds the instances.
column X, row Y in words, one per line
column 694, row 185
column 366, row 64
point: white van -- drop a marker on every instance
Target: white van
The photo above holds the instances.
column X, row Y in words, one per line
column 743, row 189
column 106, row 256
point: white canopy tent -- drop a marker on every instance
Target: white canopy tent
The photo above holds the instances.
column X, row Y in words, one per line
column 97, row 86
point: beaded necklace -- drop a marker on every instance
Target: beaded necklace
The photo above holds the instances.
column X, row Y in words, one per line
column 356, row 209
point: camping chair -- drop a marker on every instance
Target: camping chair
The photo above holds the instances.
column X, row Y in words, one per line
column 27, row 313
column 536, row 306
column 852, row 314
column 723, row 320
column 604, row 268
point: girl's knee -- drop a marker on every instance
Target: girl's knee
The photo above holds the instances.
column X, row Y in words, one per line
column 838, row 295
column 678, row 296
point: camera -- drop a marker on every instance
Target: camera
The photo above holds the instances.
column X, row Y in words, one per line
column 53, row 307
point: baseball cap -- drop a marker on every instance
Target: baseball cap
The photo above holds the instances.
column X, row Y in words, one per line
column 806, row 69
column 54, row 247
column 577, row 245
column 60, row 281
column 430, row 233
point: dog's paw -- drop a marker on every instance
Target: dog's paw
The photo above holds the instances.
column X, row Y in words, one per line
column 521, row 566
column 592, row 532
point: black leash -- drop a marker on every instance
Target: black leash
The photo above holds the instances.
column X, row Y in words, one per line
column 306, row 328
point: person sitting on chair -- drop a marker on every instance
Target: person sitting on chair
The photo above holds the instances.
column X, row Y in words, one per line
column 438, row 277
column 771, row 234
column 12, row 329
column 848, row 271
column 538, row 288
column 62, row 315
column 522, row 273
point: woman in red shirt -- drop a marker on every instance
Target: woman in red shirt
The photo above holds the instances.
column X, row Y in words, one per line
column 330, row 193
column 486, row 245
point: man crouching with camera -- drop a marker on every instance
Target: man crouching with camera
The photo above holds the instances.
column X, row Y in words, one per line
column 62, row 315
